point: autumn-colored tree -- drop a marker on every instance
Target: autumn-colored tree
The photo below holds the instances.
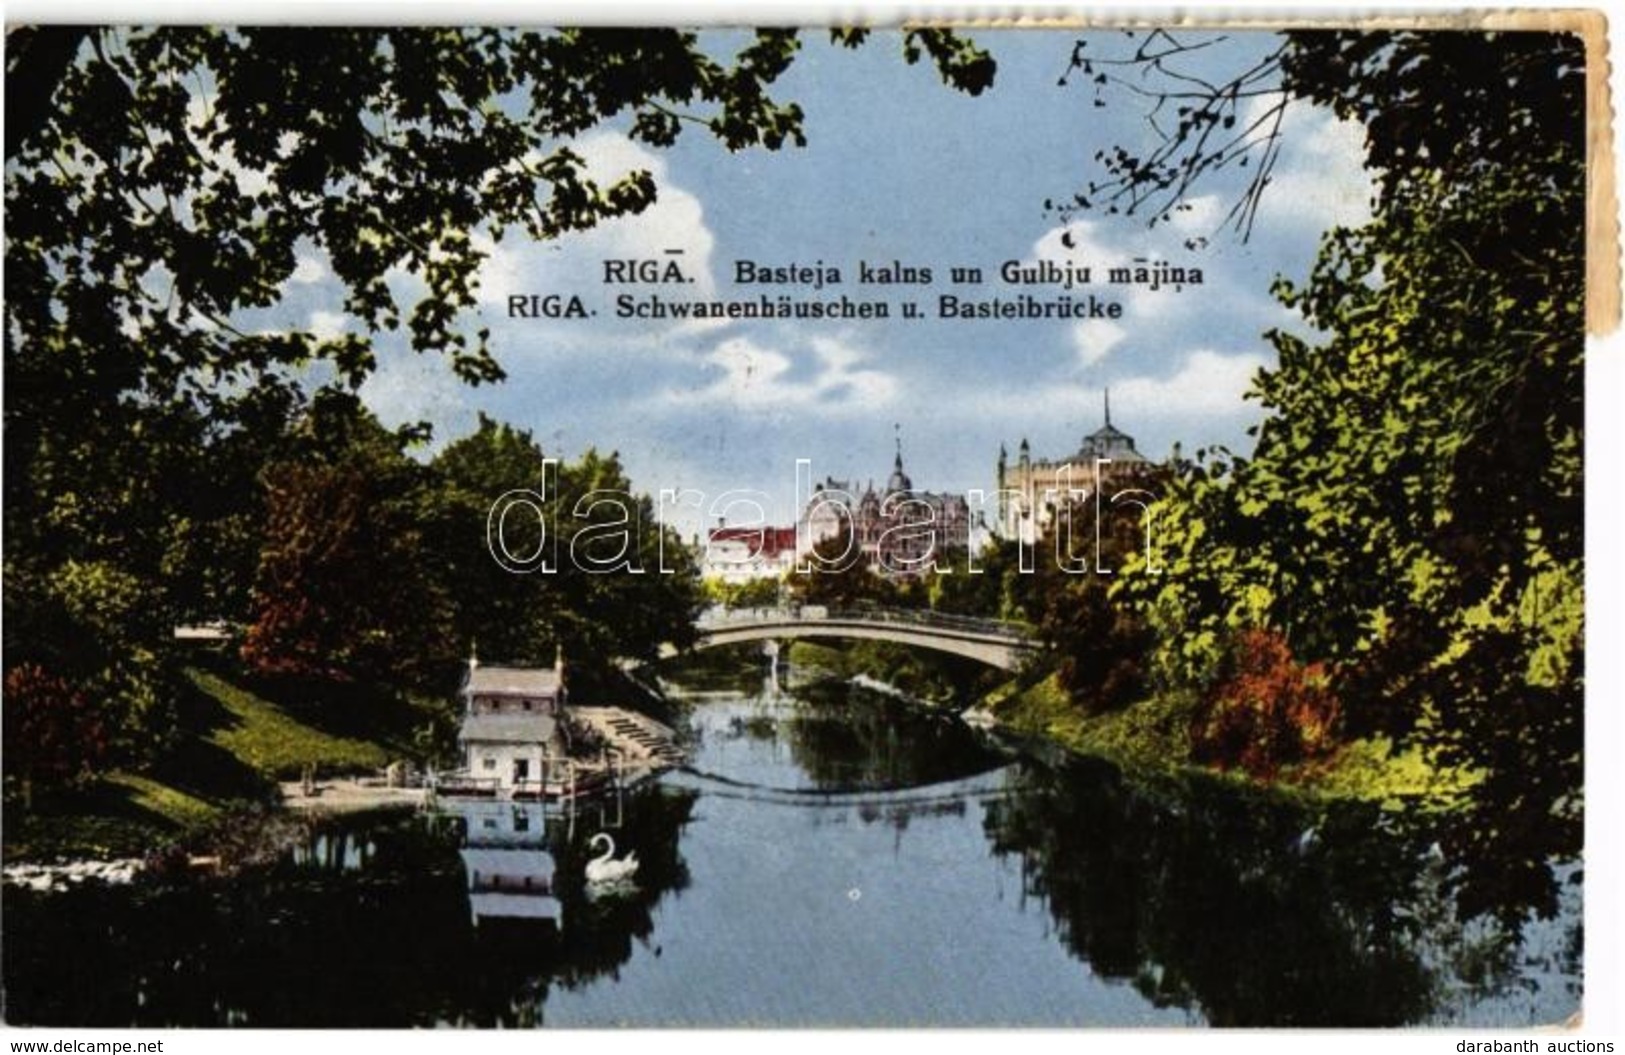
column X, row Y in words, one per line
column 54, row 735
column 346, row 590
column 1266, row 710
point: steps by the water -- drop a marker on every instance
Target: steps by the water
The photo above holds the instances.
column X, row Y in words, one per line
column 641, row 739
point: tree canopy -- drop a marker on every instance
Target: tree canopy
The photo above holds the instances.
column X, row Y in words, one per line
column 162, row 179
column 1411, row 519
column 170, row 458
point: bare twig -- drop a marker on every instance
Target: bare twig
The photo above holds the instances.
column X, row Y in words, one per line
column 1188, row 150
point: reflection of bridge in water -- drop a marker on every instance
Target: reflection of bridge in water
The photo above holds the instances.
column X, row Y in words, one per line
column 998, row 644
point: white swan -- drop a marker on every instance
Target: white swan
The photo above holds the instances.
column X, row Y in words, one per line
column 604, row 868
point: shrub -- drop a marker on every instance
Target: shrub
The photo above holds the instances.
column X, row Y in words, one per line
column 1266, row 709
column 54, row 735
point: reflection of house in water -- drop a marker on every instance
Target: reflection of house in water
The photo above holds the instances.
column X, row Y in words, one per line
column 509, row 869
column 511, row 723
column 335, row 851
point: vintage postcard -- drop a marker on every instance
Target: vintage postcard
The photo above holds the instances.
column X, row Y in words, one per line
column 928, row 526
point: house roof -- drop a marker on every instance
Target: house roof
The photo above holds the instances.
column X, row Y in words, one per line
column 767, row 542
column 514, row 864
column 515, row 906
column 1125, row 455
column 513, row 681
column 507, row 728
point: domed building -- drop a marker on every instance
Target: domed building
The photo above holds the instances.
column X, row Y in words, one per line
column 899, row 530
column 1031, row 491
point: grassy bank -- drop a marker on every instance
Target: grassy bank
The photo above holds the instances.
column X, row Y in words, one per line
column 237, row 739
column 1152, row 737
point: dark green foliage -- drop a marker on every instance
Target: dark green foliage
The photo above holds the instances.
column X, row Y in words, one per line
column 500, row 615
column 839, row 576
column 1099, row 645
column 1412, row 513
column 752, row 593
column 161, row 186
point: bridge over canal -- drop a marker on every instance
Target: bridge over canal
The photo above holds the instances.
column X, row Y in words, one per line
column 998, row 644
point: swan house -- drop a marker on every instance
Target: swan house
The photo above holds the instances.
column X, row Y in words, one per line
column 512, row 725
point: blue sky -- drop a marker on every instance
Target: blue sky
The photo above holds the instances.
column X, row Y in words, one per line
column 897, row 167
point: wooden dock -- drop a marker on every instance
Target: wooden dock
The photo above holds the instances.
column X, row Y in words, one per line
column 639, row 747
column 349, row 796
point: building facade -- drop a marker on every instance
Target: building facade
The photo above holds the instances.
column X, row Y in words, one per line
column 1033, row 490
column 741, row 554
column 511, row 723
column 898, row 529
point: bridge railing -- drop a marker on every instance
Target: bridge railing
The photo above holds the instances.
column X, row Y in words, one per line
column 740, row 617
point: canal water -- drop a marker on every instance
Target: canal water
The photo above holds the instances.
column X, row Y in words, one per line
column 831, row 857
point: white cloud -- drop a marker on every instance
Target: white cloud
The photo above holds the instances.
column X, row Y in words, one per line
column 504, row 269
column 1095, row 339
column 1320, row 181
column 1208, row 382
column 1083, row 242
column 676, row 220
column 308, row 269
column 574, row 262
column 1161, row 311
column 408, row 388
column 1197, row 217
column 1079, row 243
column 326, row 325
column 755, row 378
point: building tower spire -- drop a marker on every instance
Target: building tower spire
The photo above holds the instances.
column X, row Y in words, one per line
column 1108, row 397
column 899, row 481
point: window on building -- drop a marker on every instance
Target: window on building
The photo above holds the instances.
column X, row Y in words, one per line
column 490, row 763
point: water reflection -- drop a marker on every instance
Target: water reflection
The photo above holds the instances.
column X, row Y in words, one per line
column 371, row 923
column 831, row 858
column 1252, row 913
column 507, row 863
column 833, row 737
